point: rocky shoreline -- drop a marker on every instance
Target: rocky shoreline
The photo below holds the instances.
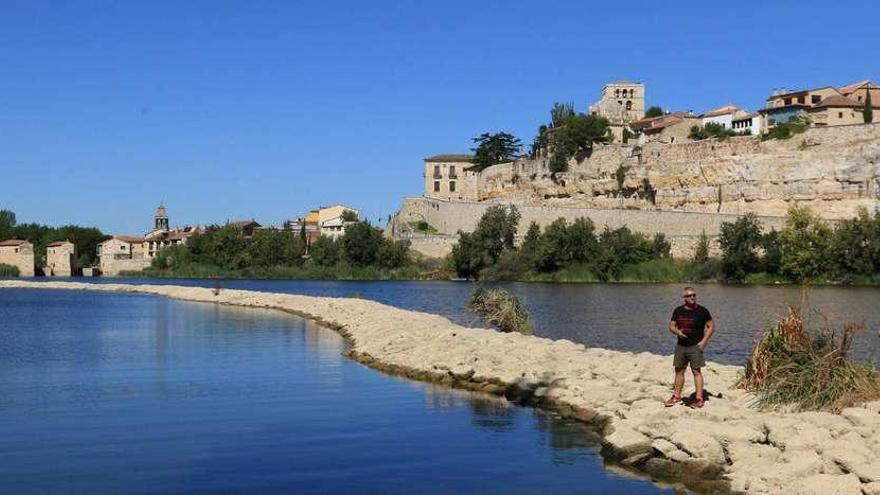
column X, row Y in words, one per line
column 725, row 447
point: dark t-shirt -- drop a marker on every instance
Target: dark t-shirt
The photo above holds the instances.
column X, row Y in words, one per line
column 692, row 323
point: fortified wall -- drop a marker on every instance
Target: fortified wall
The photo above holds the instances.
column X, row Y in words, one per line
column 679, row 190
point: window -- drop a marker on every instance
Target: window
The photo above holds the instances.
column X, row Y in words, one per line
column 787, row 101
column 436, row 171
column 802, row 99
column 436, row 186
column 452, row 186
column 839, row 115
column 629, row 105
column 815, row 99
column 452, row 171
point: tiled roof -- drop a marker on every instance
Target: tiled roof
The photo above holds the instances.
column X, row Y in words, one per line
column 58, row 243
column 451, row 158
column 837, row 102
column 726, row 109
column 14, row 242
column 129, row 239
column 851, row 88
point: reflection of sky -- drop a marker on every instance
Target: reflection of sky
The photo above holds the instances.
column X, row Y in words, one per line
column 139, row 394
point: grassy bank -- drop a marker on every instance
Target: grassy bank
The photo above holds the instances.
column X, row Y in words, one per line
column 306, row 272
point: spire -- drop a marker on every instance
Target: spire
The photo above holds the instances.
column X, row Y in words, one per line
column 161, row 218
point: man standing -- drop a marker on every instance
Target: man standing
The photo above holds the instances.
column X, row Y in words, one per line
column 693, row 326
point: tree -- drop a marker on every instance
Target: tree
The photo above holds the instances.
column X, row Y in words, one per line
column 868, row 112
column 495, row 148
column 361, row 243
column 528, row 250
column 393, row 254
column 701, row 250
column 855, row 246
column 804, row 242
column 325, row 251
column 560, row 113
column 654, row 111
column 495, row 233
column 349, row 216
column 739, row 242
column 540, row 142
column 580, row 132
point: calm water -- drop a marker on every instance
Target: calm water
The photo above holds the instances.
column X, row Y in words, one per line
column 623, row 317
column 115, row 393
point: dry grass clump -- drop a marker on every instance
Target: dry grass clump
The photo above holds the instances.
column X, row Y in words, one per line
column 808, row 370
column 500, row 309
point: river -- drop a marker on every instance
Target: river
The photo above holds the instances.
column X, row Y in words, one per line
column 626, row 317
column 127, row 393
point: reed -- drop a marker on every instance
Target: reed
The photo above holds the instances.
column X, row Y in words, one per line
column 808, row 370
column 500, row 309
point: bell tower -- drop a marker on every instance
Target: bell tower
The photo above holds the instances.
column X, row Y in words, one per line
column 160, row 220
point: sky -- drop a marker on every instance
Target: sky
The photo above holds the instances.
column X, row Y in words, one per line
column 265, row 109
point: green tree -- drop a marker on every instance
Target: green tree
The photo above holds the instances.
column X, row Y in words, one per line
column 274, row 248
column 580, row 132
column 701, row 250
column 654, row 111
column 528, row 250
column 868, row 112
column 558, row 162
column 620, row 247
column 361, row 243
column 7, row 223
column 660, row 247
column 495, row 233
column 739, row 243
column 560, row 113
column 325, row 251
column 855, row 246
column 541, row 141
column 494, row 148
column 393, row 254
column 772, row 259
column 552, row 253
column 349, row 216
column 804, row 242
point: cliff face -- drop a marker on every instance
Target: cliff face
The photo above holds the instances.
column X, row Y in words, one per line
column 833, row 171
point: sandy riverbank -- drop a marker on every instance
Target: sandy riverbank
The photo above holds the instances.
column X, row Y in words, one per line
column 725, row 447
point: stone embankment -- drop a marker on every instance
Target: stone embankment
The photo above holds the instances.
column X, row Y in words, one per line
column 727, row 446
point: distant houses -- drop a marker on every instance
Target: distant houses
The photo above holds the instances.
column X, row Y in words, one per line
column 329, row 221
column 134, row 253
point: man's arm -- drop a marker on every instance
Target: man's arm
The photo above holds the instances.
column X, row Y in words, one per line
column 673, row 329
column 710, row 329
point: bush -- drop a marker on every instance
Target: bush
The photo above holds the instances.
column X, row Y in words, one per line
column 500, row 309
column 8, row 270
column 807, row 371
column 739, row 242
column 804, row 242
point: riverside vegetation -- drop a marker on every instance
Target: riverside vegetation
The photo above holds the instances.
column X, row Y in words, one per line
column 806, row 250
column 362, row 253
column 86, row 239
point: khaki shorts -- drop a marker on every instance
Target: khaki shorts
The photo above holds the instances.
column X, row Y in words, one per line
column 684, row 355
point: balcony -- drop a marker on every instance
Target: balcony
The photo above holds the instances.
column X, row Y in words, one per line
column 437, row 175
column 453, row 175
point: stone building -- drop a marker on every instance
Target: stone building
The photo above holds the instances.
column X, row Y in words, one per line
column 247, row 227
column 447, row 177
column 122, row 253
column 668, row 129
column 621, row 102
column 20, row 254
column 162, row 235
column 325, row 221
column 60, row 259
column 836, row 110
column 859, row 92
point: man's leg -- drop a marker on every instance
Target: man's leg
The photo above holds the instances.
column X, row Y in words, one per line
column 698, row 381
column 678, row 383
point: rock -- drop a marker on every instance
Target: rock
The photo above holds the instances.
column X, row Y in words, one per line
column 824, row 484
column 625, row 442
column 670, row 450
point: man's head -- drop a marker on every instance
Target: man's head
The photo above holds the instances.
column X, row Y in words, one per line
column 690, row 296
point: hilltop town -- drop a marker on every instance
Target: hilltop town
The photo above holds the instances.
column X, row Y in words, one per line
column 671, row 172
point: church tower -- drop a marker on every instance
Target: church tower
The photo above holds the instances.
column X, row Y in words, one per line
column 161, row 218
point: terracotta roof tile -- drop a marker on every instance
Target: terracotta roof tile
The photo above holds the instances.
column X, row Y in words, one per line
column 838, row 101
column 14, row 242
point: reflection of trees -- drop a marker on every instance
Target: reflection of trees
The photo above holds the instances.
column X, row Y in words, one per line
column 492, row 414
column 570, row 440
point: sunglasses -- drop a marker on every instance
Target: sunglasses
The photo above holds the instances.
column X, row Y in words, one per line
column 688, row 296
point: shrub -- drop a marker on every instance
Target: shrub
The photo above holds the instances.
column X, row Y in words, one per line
column 8, row 270
column 500, row 309
column 807, row 370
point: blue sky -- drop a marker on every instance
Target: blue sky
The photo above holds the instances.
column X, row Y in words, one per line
column 264, row 109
